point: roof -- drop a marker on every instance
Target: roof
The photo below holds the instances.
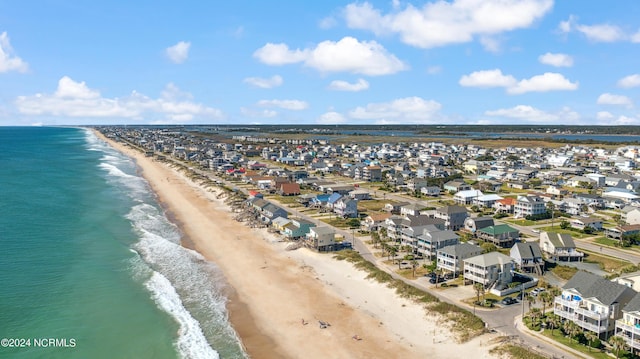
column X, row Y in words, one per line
column 509, row 201
column 561, row 240
column 594, row 286
column 489, row 259
column 380, row 216
column 633, row 305
column 452, row 209
column 527, row 250
column 461, row 250
column 499, row 229
column 323, row 230
column 290, row 188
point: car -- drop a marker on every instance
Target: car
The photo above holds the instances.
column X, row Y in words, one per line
column 536, row 291
column 535, row 230
column 434, row 280
column 508, row 301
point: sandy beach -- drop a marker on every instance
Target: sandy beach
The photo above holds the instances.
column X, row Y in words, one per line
column 273, row 292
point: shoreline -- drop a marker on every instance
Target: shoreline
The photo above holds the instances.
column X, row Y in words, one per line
column 270, row 289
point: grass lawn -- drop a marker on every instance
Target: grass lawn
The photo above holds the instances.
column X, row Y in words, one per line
column 564, row 272
column 608, row 264
column 560, row 338
column 522, row 222
column 606, row 241
column 557, row 229
column 374, row 205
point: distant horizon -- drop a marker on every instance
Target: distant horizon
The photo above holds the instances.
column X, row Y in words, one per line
column 391, row 62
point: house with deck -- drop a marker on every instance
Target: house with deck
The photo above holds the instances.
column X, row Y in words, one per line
column 489, row 269
column 593, row 303
column 502, row 235
column 451, row 258
column 321, row 238
column 559, row 247
column 528, row 257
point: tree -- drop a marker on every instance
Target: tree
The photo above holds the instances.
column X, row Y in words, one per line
column 392, row 251
column 591, row 337
column 571, row 329
column 479, row 288
column 546, row 298
column 375, row 238
column 535, row 314
column 488, row 247
column 531, row 300
column 551, row 207
column 564, row 224
column 553, row 321
column 414, row 265
column 618, row 343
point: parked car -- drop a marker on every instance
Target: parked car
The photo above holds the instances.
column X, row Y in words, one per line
column 434, row 280
column 508, row 301
column 537, row 291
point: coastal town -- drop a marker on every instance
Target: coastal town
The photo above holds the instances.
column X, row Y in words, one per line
column 552, row 229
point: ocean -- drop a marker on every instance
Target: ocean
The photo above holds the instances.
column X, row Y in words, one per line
column 90, row 265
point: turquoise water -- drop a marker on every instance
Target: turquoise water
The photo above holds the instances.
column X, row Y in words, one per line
column 87, row 257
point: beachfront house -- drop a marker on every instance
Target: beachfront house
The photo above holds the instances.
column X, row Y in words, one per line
column 489, row 269
column 628, row 326
column 432, row 239
column 593, row 302
column 559, row 246
column 321, row 238
column 451, row 258
column 374, row 221
column 297, row 228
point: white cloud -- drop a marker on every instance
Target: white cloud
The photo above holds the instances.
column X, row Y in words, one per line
column 557, row 60
column 265, row 83
column 331, row 118
column 8, row 60
column 602, row 32
column 442, row 23
column 604, row 115
column 294, row 105
column 629, row 81
column 490, row 44
column 327, row 23
column 248, row 112
column 403, row 110
column 549, row 81
column 339, row 85
column 611, row 99
column 635, row 38
column 432, row 70
column 179, row 52
column 76, row 99
column 487, row 78
column 625, row 121
column 346, row 55
column 598, row 32
column 534, row 115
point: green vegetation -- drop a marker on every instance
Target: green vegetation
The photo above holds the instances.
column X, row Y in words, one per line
column 513, row 351
column 564, row 272
column 606, row 263
column 462, row 322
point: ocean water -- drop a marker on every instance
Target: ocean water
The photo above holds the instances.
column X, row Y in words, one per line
column 90, row 266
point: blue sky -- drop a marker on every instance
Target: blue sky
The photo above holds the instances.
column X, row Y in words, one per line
column 69, row 62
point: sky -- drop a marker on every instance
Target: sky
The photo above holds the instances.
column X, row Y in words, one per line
column 71, row 62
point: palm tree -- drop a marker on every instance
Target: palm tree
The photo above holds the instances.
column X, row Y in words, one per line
column 571, row 329
column 414, row 265
column 392, row 251
column 535, row 314
column 479, row 288
column 375, row 238
column 553, row 321
column 590, row 337
column 531, row 300
column 618, row 343
column 545, row 298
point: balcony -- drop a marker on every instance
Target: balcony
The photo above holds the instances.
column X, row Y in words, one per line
column 630, row 332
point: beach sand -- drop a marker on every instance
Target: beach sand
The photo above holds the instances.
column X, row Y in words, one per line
column 273, row 292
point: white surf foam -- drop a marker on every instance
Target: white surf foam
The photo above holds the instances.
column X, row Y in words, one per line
column 191, row 341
